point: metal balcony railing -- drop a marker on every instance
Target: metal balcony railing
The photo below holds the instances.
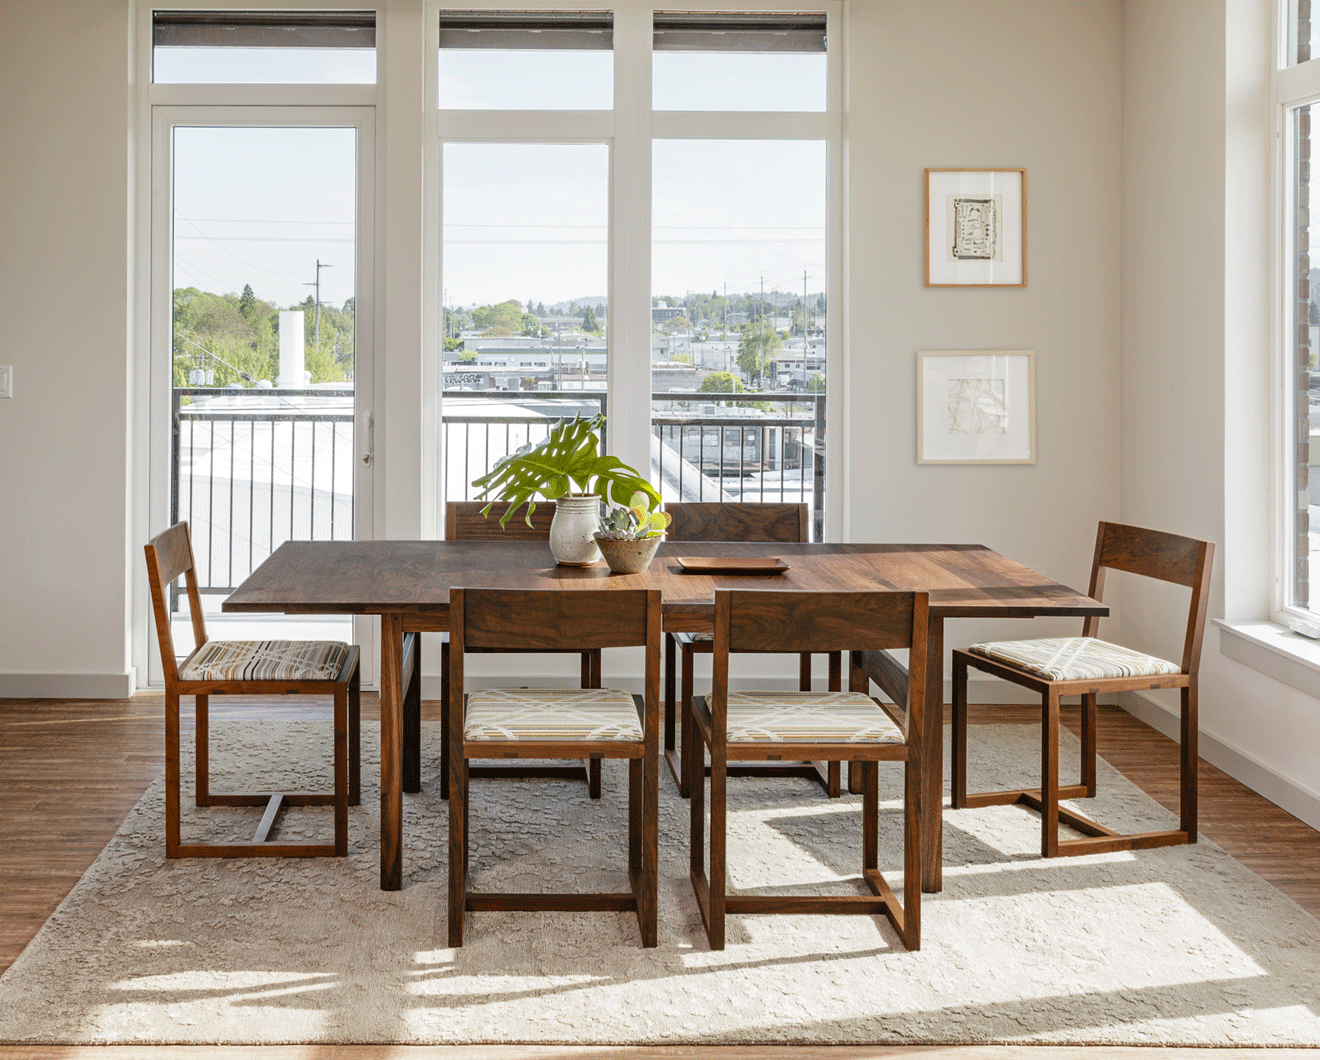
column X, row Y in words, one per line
column 705, row 447
column 254, row 468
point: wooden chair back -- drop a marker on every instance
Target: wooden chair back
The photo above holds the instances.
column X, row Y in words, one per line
column 738, row 522
column 855, row 622
column 1164, row 557
column 464, row 522
column 553, row 620
column 170, row 554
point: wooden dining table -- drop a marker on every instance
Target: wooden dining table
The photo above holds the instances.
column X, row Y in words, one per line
column 407, row 583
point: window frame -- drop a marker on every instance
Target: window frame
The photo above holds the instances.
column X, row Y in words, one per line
column 1294, row 85
column 628, row 130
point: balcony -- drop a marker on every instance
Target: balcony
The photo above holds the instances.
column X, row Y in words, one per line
column 253, row 468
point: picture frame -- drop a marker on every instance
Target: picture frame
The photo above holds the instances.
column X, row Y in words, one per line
column 976, row 227
column 976, row 407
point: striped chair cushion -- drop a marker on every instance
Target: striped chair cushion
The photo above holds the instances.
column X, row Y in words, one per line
column 551, row 714
column 1074, row 658
column 266, row 660
column 808, row 717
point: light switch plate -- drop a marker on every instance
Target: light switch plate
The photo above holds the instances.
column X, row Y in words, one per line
column 6, row 380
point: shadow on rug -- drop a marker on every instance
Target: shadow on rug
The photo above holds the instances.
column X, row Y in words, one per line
column 1180, row 946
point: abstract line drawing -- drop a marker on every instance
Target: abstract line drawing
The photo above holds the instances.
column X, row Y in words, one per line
column 977, row 406
column 975, row 228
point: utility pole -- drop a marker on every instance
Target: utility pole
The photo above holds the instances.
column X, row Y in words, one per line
column 804, row 320
column 317, row 285
column 724, row 333
column 761, row 334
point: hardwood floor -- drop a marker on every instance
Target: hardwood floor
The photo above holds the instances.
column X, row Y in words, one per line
column 71, row 770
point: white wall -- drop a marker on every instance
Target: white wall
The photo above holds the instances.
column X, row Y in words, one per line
column 65, row 555
column 1196, row 366
column 1034, row 86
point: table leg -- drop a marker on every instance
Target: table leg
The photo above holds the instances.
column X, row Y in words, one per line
column 391, row 751
column 932, row 762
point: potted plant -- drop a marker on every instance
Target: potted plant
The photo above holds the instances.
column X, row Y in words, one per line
column 567, row 467
column 628, row 537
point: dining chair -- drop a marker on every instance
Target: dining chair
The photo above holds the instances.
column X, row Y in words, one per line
column 556, row 723
column 1086, row 666
column 745, row 521
column 251, row 668
column 836, row 725
column 464, row 522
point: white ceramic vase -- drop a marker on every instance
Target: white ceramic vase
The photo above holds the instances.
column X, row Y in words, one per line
column 572, row 531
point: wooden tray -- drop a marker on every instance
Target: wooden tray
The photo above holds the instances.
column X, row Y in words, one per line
column 733, row 564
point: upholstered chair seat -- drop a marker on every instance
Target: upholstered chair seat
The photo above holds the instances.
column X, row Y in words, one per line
column 1074, row 658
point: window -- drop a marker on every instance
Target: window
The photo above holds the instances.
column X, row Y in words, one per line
column 738, row 61
column 631, row 195
column 263, row 47
column 1301, row 514
column 500, row 60
column 1300, row 43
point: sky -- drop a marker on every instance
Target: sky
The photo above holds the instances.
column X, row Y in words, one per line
column 261, row 206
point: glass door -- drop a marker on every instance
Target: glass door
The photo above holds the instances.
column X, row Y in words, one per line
column 261, row 345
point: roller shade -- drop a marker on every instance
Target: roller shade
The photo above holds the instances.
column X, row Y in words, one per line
column 264, row 29
column 527, row 30
column 737, row 31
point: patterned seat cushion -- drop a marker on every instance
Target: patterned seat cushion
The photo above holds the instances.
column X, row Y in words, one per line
column 267, row 660
column 551, row 714
column 808, row 717
column 1074, row 658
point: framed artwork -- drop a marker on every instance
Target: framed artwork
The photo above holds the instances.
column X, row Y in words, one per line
column 976, row 407
column 976, row 228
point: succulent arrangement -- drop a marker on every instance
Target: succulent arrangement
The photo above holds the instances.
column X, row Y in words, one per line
column 632, row 523
column 567, row 460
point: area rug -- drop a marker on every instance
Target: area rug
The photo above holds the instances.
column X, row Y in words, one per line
column 1181, row 946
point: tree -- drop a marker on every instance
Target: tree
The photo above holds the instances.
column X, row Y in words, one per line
column 721, row 383
column 816, row 384
column 247, row 302
column 503, row 319
column 757, row 348
column 589, row 324
column 678, row 323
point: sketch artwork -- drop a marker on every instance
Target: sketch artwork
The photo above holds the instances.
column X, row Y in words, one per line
column 975, row 228
column 977, row 406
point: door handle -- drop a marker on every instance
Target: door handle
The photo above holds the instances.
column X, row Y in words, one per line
column 370, row 424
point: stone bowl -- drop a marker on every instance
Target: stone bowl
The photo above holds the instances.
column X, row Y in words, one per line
column 628, row 557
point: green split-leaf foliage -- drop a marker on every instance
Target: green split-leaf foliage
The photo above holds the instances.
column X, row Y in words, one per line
column 567, row 460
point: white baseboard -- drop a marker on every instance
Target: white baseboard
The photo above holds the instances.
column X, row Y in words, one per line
column 68, row 686
column 1299, row 802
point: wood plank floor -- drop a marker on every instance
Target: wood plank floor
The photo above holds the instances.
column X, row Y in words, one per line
column 71, row 770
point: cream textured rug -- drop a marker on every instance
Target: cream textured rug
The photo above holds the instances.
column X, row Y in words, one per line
column 1181, row 946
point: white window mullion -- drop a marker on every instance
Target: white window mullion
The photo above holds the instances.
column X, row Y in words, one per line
column 630, row 242
column 522, row 126
column 739, row 125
